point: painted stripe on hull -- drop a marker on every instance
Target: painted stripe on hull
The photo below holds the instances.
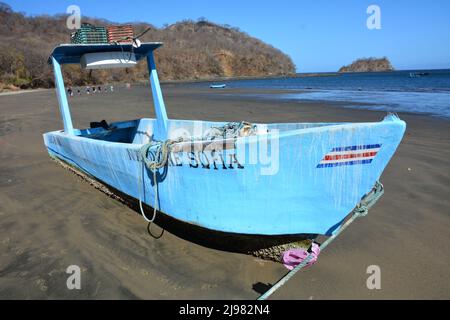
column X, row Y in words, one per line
column 348, row 163
column 351, row 148
column 334, row 153
column 350, row 156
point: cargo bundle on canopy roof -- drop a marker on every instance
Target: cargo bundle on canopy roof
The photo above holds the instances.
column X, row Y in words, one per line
column 90, row 34
column 120, row 34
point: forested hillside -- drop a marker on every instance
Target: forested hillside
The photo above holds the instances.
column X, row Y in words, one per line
column 192, row 50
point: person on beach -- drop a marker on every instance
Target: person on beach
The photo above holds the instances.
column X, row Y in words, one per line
column 69, row 91
column 88, row 90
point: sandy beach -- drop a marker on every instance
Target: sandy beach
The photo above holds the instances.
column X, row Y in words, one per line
column 50, row 219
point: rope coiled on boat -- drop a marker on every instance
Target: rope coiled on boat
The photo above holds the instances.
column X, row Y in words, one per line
column 162, row 151
column 231, row 130
column 160, row 160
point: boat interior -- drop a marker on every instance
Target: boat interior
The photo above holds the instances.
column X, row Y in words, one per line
column 140, row 131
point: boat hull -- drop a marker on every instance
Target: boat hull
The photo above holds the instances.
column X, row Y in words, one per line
column 263, row 246
column 294, row 180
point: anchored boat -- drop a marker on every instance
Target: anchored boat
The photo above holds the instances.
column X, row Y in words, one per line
column 274, row 179
column 218, row 86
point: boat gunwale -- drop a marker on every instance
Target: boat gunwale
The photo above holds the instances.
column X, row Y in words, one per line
column 321, row 127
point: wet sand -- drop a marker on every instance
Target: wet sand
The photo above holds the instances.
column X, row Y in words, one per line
column 50, row 219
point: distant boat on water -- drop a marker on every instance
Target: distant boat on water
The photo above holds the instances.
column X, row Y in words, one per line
column 418, row 74
column 218, row 86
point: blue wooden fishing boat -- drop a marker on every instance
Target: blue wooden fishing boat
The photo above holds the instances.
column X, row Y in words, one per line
column 274, row 179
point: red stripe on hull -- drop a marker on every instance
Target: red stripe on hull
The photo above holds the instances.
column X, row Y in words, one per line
column 350, row 156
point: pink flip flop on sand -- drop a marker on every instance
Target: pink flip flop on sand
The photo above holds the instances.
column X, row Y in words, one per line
column 293, row 257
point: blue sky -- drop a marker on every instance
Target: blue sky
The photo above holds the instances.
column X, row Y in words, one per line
column 319, row 35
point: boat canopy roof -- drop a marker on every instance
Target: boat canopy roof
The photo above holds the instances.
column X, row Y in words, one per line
column 71, row 53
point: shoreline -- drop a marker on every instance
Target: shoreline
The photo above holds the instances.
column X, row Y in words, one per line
column 20, row 91
column 261, row 94
column 266, row 77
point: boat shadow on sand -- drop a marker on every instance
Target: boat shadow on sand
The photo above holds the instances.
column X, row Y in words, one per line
column 262, row 246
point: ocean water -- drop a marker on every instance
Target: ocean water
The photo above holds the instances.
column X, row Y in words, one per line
column 388, row 91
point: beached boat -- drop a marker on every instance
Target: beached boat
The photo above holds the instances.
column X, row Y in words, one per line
column 272, row 179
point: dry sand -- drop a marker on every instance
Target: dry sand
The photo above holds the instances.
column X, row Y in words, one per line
column 50, row 219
